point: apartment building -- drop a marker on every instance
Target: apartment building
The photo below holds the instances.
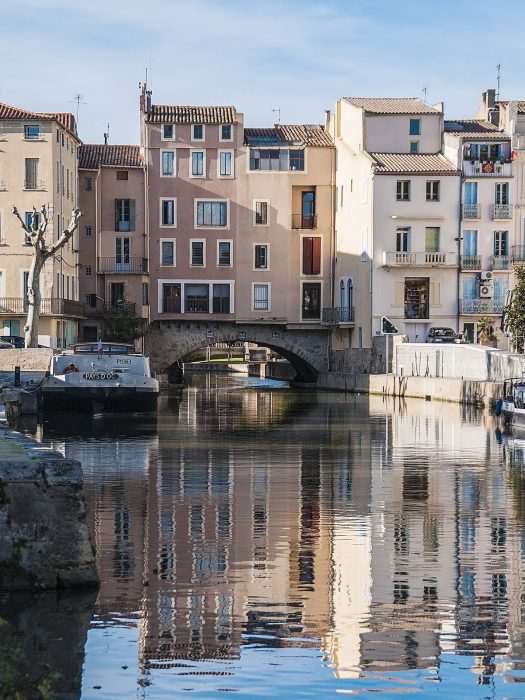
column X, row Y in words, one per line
column 113, row 240
column 397, row 220
column 38, row 167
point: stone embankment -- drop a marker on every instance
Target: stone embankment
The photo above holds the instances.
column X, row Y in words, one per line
column 28, row 359
column 44, row 539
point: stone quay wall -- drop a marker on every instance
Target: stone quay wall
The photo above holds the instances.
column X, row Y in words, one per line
column 44, row 539
column 28, row 359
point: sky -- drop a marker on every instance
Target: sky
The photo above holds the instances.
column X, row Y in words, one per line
column 296, row 56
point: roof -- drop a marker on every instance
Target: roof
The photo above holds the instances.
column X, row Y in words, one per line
column 474, row 128
column 392, row 105
column 66, row 119
column 288, row 134
column 521, row 105
column 184, row 114
column 413, row 164
column 92, row 156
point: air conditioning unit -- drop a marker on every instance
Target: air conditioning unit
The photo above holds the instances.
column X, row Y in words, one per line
column 486, row 276
column 486, row 291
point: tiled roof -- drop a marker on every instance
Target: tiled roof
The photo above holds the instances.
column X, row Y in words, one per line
column 14, row 113
column 289, row 134
column 521, row 105
column 180, row 114
column 392, row 105
column 473, row 128
column 92, row 156
column 413, row 164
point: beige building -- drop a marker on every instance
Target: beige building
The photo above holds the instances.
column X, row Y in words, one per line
column 38, row 167
column 113, row 240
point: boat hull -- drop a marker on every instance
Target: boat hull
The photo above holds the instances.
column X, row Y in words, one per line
column 94, row 399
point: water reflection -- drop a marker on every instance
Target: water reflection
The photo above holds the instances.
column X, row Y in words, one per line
column 374, row 538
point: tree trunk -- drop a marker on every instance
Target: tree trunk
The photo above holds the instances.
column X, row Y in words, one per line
column 34, row 298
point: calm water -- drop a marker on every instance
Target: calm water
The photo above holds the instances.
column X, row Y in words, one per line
column 281, row 544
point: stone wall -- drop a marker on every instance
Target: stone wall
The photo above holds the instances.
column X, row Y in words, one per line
column 44, row 540
column 28, row 359
column 366, row 360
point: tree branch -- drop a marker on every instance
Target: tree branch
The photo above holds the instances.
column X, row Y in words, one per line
column 67, row 233
column 22, row 222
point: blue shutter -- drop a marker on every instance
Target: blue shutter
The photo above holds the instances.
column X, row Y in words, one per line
column 470, row 288
column 470, row 242
column 500, row 287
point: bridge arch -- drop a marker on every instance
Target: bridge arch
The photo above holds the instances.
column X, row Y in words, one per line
column 305, row 348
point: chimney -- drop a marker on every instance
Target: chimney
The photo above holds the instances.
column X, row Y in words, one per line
column 489, row 98
column 106, row 136
column 327, row 118
column 148, row 101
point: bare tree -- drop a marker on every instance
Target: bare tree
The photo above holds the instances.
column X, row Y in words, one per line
column 41, row 252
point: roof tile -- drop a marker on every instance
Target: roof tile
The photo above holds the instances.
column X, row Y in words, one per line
column 66, row 119
column 474, row 128
column 92, row 156
column 289, row 134
column 184, row 114
column 392, row 105
column 413, row 164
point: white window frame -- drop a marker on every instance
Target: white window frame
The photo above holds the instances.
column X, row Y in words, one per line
column 168, row 240
column 198, row 240
column 220, row 133
column 231, row 151
column 269, row 286
column 165, row 138
column 203, row 132
column 168, row 150
column 255, row 201
column 301, row 273
column 190, row 164
column 39, row 137
column 168, row 199
column 197, row 200
column 2, row 281
column 22, row 272
column 225, row 240
column 262, row 269
column 183, row 282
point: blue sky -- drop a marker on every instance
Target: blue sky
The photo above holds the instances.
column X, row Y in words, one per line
column 298, row 56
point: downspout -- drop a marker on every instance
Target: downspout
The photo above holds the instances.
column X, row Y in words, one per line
column 333, row 249
column 97, row 247
column 458, row 241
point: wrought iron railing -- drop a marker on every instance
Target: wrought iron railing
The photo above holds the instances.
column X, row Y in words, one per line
column 518, row 252
column 48, row 307
column 303, row 221
column 501, row 262
column 196, row 306
column 122, row 265
column 471, row 262
column 481, row 306
column 501, row 211
column 338, row 314
column 471, row 211
column 31, row 184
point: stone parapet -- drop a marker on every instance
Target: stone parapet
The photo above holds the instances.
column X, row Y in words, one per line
column 28, row 359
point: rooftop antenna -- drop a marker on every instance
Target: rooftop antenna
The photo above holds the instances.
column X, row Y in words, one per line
column 78, row 99
column 278, row 112
column 498, row 79
column 106, row 136
column 424, row 91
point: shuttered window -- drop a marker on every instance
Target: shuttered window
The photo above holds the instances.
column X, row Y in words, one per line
column 124, row 214
column 432, row 239
column 312, row 255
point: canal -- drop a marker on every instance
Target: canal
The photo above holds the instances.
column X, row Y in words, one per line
column 278, row 543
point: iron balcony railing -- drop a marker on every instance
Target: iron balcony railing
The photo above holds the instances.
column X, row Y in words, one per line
column 34, row 184
column 481, row 306
column 518, row 252
column 487, row 168
column 501, row 262
column 95, row 306
column 122, row 265
column 196, row 306
column 338, row 314
column 502, row 211
column 471, row 262
column 48, row 307
column 303, row 221
column 471, row 211
column 416, row 311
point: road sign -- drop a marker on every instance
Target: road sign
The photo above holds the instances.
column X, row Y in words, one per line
column 387, row 327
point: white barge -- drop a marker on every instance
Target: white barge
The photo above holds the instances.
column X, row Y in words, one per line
column 100, row 377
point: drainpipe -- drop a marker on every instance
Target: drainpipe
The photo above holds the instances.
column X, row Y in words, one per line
column 458, row 241
column 333, row 248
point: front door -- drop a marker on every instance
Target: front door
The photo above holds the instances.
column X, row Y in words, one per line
column 308, row 212
column 171, row 298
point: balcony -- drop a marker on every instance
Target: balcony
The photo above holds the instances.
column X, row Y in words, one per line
column 37, row 185
column 98, row 307
column 487, row 168
column 471, row 262
column 501, row 211
column 132, row 266
column 391, row 259
column 501, row 262
column 49, row 307
column 196, row 306
column 518, row 253
column 339, row 314
column 481, row 306
column 471, row 211
column 302, row 221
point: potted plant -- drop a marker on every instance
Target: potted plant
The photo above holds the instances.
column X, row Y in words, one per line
column 486, row 334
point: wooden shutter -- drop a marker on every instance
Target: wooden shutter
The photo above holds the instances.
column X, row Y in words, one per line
column 131, row 214
column 307, row 255
column 117, row 214
column 316, row 256
column 434, row 294
column 399, row 294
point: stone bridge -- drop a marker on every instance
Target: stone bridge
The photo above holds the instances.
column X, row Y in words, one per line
column 305, row 348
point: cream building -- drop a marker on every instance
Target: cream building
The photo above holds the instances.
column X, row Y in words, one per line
column 38, row 166
column 396, row 219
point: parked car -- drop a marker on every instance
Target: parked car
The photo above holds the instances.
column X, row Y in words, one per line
column 442, row 335
column 4, row 345
column 16, row 340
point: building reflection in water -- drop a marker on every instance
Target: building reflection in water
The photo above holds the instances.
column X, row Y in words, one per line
column 386, row 534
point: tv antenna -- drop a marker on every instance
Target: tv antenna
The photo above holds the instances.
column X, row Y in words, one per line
column 78, row 99
column 278, row 112
column 424, row 91
column 106, row 136
column 498, row 79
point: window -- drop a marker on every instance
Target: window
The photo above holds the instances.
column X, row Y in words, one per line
column 403, row 191
column 32, row 131
column 196, row 298
column 261, row 212
column 87, row 230
column 171, row 298
column 211, row 213
column 501, row 194
column 197, row 253
column 197, row 132
column 221, row 299
column 30, row 218
column 311, row 301
column 167, row 212
column 224, row 258
column 31, row 173
column 414, row 146
column 225, row 164
column 403, row 239
column 261, row 297
column 416, row 297
column 432, row 190
column 415, row 127
column 311, row 255
column 167, row 163
column 501, row 239
column 167, row 252
column 432, row 239
column 88, row 184
column 124, row 214
column 276, row 159
column 198, row 163
column 87, row 270
column 122, row 174
column 226, row 132
column 168, row 131
column 261, row 257
column 470, row 243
